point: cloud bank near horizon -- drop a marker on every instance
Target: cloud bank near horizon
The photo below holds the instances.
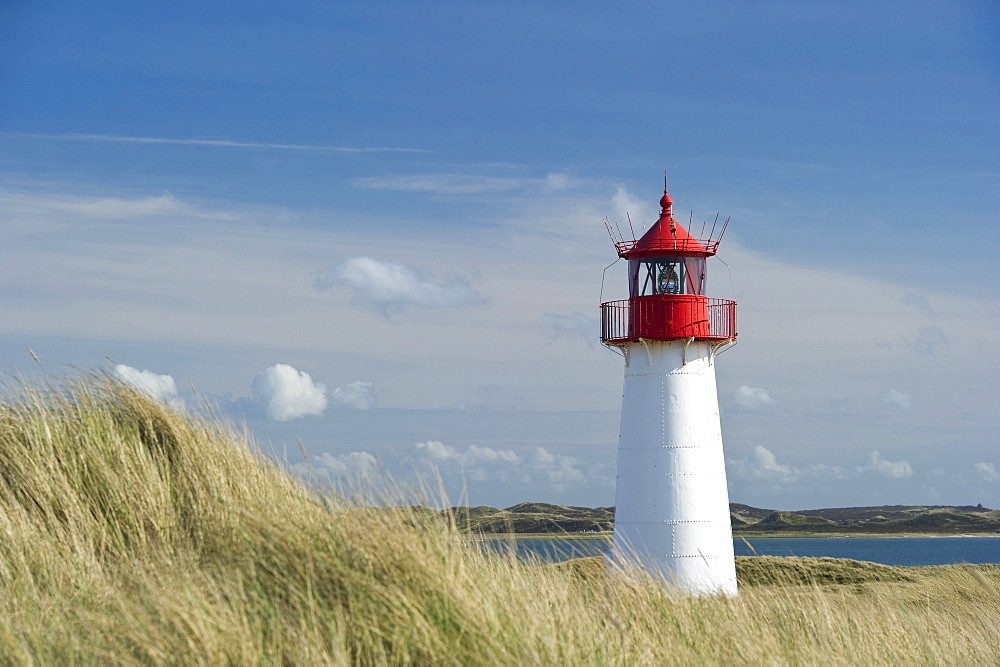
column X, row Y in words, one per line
column 761, row 465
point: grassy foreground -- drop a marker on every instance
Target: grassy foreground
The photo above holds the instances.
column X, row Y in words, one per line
column 132, row 534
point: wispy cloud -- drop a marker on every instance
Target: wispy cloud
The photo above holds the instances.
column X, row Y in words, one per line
column 123, row 209
column 387, row 287
column 36, row 207
column 574, row 325
column 221, row 143
column 358, row 395
column 483, row 463
column 462, row 184
column 445, row 184
column 900, row 399
column 927, row 340
column 751, row 398
column 987, row 472
column 349, row 471
column 890, row 469
column 762, row 466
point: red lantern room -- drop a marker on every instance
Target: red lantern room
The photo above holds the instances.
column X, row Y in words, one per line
column 666, row 269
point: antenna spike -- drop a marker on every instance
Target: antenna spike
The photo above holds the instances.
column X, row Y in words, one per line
column 620, row 235
column 630, row 225
column 607, row 226
column 723, row 232
column 711, row 233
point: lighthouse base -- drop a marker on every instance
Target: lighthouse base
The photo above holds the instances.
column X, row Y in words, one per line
column 672, row 504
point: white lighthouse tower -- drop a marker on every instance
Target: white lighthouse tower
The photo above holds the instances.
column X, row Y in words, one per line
column 672, row 504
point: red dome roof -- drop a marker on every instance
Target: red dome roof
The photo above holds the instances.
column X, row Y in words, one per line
column 667, row 237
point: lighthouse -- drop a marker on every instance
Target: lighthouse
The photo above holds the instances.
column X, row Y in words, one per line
column 672, row 505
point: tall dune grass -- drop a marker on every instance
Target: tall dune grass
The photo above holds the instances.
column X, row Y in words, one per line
column 130, row 533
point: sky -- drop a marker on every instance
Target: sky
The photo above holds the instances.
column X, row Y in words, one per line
column 371, row 232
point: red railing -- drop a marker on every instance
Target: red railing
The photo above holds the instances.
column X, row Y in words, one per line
column 617, row 326
column 692, row 245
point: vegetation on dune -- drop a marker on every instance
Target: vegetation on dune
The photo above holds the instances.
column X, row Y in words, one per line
column 795, row 571
column 534, row 518
column 131, row 534
column 887, row 519
column 785, row 520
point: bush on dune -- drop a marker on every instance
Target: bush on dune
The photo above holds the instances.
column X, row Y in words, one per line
column 131, row 533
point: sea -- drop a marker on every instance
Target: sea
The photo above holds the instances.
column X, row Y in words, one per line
column 885, row 550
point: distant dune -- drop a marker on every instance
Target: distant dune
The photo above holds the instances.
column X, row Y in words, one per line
column 536, row 518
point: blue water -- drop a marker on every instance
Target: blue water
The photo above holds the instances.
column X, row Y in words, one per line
column 885, row 550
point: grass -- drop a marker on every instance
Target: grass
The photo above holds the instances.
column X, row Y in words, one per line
column 131, row 534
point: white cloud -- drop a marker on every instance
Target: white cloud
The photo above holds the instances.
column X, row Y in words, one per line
column 287, row 393
column 490, row 455
column 388, row 287
column 475, row 463
column 761, row 465
column 354, row 464
column 897, row 470
column 358, row 395
column 987, row 472
column 161, row 387
column 751, row 398
column 558, row 469
column 473, row 455
column 899, row 399
column 436, row 450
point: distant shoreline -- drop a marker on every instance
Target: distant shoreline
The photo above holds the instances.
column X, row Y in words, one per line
column 745, row 535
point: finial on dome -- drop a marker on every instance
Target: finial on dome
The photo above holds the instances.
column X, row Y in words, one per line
column 665, row 202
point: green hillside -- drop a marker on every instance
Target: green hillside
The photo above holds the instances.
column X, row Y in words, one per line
column 531, row 518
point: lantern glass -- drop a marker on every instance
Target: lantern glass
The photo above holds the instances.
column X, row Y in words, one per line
column 666, row 276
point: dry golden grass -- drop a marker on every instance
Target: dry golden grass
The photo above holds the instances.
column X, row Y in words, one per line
column 130, row 534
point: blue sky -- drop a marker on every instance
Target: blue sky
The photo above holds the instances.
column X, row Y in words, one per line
column 375, row 228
